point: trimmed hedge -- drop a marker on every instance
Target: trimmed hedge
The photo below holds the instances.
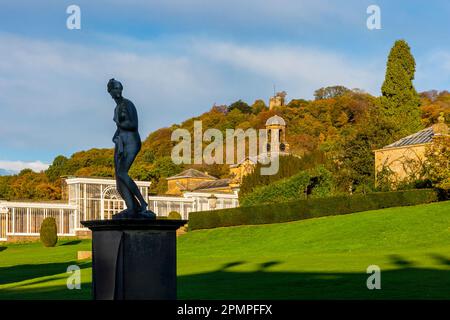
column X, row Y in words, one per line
column 48, row 232
column 306, row 209
column 318, row 180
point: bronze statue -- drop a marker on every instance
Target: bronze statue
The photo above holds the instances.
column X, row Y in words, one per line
column 127, row 145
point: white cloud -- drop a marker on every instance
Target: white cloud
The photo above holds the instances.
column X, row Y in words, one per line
column 54, row 95
column 17, row 166
column 304, row 68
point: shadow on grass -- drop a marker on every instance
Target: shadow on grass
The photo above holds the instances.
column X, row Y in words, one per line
column 264, row 266
column 400, row 261
column 48, row 293
column 70, row 243
column 405, row 282
column 30, row 271
column 441, row 259
column 3, row 248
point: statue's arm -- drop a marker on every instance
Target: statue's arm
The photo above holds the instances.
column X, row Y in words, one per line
column 129, row 116
column 116, row 134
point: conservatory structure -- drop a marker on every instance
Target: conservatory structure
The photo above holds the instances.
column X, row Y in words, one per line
column 85, row 199
column 96, row 199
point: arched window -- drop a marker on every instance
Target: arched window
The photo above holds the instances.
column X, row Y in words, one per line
column 112, row 202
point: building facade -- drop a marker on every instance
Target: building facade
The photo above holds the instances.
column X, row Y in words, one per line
column 87, row 199
column 193, row 190
column 19, row 220
column 275, row 126
column 98, row 199
column 278, row 100
column 406, row 157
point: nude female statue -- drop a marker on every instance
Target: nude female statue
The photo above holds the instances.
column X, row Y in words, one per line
column 127, row 145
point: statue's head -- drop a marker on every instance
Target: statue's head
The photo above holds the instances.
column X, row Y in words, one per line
column 115, row 88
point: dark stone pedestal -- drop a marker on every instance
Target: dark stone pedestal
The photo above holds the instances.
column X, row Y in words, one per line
column 134, row 258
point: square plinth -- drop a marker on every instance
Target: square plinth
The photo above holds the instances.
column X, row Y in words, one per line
column 134, row 259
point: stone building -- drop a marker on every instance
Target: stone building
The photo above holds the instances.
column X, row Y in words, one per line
column 405, row 158
column 275, row 126
column 193, row 190
column 187, row 180
column 278, row 100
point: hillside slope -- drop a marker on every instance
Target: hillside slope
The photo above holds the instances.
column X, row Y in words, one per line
column 322, row 258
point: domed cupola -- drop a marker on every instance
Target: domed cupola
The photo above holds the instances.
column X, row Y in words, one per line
column 277, row 126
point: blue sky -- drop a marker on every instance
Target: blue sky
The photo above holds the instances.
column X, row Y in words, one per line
column 176, row 58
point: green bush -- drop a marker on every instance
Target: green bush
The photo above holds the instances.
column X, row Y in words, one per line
column 311, row 183
column 289, row 165
column 174, row 215
column 48, row 232
column 306, row 209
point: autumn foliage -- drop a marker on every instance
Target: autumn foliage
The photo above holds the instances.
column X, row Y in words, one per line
column 341, row 125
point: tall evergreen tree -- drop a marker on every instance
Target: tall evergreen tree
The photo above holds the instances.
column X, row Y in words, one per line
column 400, row 100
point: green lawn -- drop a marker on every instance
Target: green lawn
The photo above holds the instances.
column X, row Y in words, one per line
column 311, row 259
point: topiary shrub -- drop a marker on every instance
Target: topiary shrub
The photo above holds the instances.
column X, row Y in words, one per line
column 174, row 215
column 48, row 232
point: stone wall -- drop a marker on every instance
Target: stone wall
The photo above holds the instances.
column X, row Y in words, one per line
column 402, row 161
